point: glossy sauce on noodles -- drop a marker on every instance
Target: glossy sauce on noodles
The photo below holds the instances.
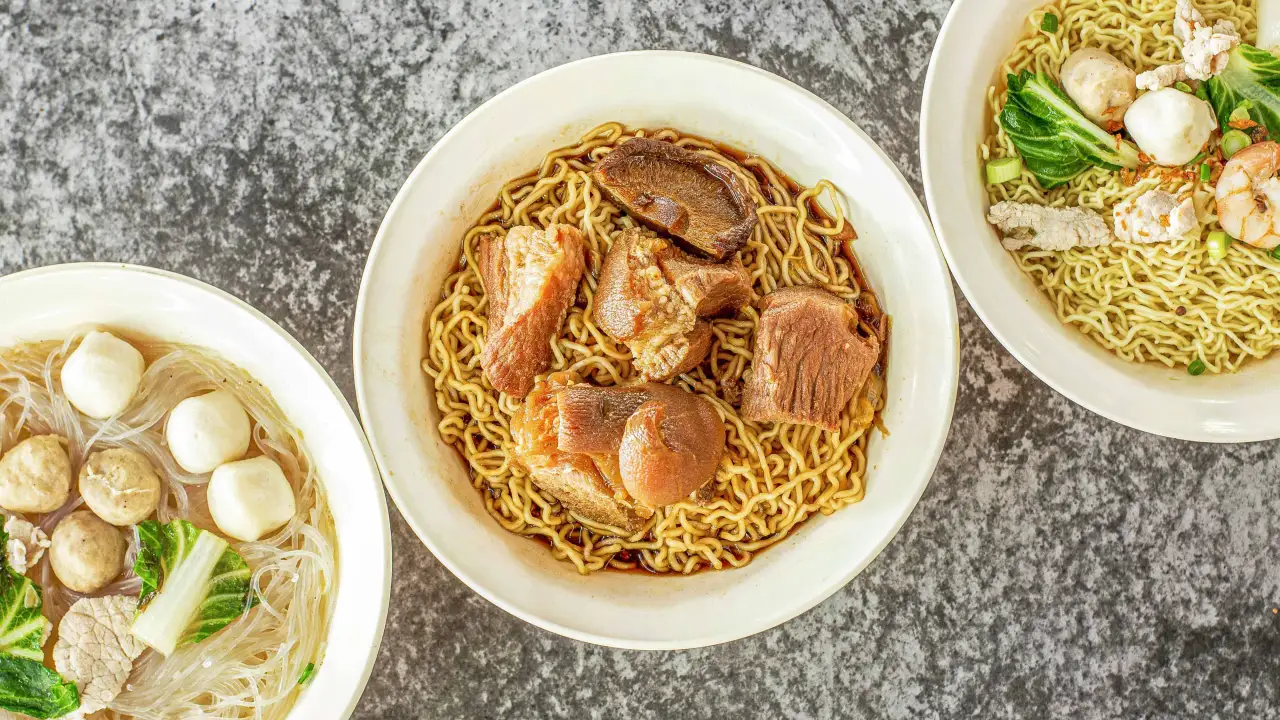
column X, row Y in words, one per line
column 774, row 476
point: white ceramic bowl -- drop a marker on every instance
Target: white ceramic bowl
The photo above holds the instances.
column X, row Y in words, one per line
column 50, row 303
column 419, row 242
column 975, row 39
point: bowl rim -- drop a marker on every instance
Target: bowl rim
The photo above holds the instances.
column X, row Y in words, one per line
column 199, row 286
column 1127, row 403
column 950, row 351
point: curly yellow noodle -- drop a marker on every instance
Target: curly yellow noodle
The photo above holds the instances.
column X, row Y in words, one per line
column 773, row 476
column 1128, row 297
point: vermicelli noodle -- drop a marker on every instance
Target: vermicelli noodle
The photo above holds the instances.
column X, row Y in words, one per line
column 250, row 668
column 1162, row 302
column 772, row 477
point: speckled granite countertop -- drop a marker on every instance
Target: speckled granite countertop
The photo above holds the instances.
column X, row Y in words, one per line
column 1058, row 565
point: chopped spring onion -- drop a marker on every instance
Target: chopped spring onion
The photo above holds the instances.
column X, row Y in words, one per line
column 1275, row 254
column 307, row 672
column 1004, row 170
column 1049, row 23
column 1218, row 243
column 1206, row 172
column 1241, row 113
column 1196, row 367
column 1183, row 87
column 1233, row 141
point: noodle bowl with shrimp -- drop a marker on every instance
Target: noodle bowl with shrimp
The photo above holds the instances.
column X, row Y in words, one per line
column 1204, row 301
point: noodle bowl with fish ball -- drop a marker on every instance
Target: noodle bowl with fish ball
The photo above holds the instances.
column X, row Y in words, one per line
column 1171, row 337
column 204, row 624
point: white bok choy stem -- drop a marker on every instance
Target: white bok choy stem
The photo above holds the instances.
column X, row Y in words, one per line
column 162, row 624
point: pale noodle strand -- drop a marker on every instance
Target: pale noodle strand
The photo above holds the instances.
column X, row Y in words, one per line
column 773, row 476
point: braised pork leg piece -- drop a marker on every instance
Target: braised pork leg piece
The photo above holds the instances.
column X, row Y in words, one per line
column 810, row 359
column 680, row 192
column 637, row 305
column 654, row 298
column 670, row 449
column 593, row 419
column 713, row 289
column 582, row 484
column 668, row 441
column 530, row 277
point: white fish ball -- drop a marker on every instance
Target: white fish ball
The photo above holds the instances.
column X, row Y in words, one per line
column 1101, row 85
column 1170, row 126
column 208, row 430
column 101, row 376
column 250, row 498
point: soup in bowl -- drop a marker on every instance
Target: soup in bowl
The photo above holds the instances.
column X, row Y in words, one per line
column 1085, row 163
column 193, row 521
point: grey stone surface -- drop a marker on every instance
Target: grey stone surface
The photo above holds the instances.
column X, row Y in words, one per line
column 1059, row 564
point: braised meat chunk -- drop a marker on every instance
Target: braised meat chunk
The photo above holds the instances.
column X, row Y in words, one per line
column 668, row 441
column 593, row 419
column 810, row 359
column 668, row 355
column 711, row 288
column 575, row 479
column 631, row 286
column 680, row 192
column 530, row 277
column 636, row 304
column 670, row 448
column 612, row 455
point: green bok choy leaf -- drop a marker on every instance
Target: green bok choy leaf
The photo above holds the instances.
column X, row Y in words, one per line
column 193, row 585
column 1055, row 139
column 26, row 685
column 1251, row 81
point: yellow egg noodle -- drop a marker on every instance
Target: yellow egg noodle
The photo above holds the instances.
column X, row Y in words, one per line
column 1163, row 302
column 773, row 476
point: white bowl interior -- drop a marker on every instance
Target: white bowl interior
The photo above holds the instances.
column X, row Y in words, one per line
column 419, row 242
column 50, row 303
column 975, row 39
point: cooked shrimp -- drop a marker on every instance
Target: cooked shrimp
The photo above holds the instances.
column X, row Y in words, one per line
column 1249, row 195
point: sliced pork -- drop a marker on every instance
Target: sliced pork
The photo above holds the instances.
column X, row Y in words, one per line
column 530, row 277
column 1048, row 228
column 574, row 479
column 810, row 359
column 680, row 192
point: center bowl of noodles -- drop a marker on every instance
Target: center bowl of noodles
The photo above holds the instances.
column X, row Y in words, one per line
column 190, row 322
column 975, row 41
column 417, row 248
